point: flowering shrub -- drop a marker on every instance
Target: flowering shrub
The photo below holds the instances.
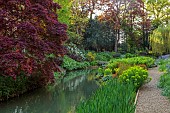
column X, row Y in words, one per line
column 29, row 31
column 75, row 53
column 135, row 74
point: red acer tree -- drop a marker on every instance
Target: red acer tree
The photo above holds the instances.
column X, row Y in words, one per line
column 29, row 33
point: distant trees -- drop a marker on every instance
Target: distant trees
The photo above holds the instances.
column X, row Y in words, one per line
column 29, row 33
column 132, row 21
column 99, row 36
column 128, row 17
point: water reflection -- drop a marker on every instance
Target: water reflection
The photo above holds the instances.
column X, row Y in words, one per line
column 62, row 99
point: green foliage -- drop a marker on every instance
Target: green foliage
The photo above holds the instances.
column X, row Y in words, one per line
column 107, row 72
column 99, row 56
column 159, row 11
column 137, row 75
column 113, row 65
column 116, row 67
column 93, row 63
column 164, row 83
column 100, row 71
column 122, row 67
column 160, row 39
column 10, row 87
column 162, row 68
column 148, row 61
column 129, row 55
column 163, row 64
column 114, row 97
column 64, row 13
column 91, row 56
column 104, row 56
column 99, row 36
column 70, row 64
column 75, row 18
column 78, row 22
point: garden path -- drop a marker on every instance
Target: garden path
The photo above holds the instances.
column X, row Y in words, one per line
column 150, row 99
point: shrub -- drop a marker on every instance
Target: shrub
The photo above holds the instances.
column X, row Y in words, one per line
column 117, row 55
column 129, row 55
column 75, row 53
column 104, row 56
column 91, row 56
column 121, row 67
column 70, row 64
column 164, row 65
column 113, row 66
column 119, row 63
column 164, row 83
column 10, row 88
column 107, row 71
column 148, row 61
column 29, row 31
column 114, row 97
column 137, row 75
column 100, row 71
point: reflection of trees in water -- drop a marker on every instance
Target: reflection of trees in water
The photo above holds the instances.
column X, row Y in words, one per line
column 72, row 85
column 63, row 98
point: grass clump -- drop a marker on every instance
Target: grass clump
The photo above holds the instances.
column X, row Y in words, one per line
column 114, row 97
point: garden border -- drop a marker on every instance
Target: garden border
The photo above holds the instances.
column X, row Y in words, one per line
column 136, row 98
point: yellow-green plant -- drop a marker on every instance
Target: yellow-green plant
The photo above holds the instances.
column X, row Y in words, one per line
column 107, row 71
column 137, row 75
column 160, row 40
column 91, row 56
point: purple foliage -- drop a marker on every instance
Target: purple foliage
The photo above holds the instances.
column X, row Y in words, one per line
column 30, row 30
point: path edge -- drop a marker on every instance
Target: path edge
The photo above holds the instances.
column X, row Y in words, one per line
column 136, row 98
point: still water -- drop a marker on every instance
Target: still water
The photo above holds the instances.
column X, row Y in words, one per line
column 62, row 98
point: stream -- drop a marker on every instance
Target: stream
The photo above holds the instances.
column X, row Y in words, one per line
column 61, row 98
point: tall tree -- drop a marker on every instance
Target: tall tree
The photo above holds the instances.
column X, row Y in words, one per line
column 158, row 11
column 126, row 16
column 65, row 13
column 79, row 20
column 160, row 40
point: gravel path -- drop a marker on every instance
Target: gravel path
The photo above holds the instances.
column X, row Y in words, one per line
column 150, row 99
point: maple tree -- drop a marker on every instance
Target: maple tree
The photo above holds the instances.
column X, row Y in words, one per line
column 29, row 33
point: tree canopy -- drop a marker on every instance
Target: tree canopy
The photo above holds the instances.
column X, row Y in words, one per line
column 29, row 33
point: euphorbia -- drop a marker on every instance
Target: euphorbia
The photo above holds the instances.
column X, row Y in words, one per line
column 29, row 32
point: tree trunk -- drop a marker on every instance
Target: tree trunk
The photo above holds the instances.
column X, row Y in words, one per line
column 116, row 41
